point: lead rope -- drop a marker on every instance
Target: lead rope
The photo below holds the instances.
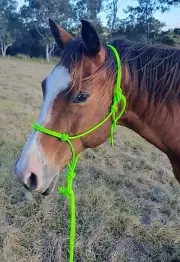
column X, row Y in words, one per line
column 69, row 193
column 68, row 190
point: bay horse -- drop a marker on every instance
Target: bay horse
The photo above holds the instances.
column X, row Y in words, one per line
column 78, row 93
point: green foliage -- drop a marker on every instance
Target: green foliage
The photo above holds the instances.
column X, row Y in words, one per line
column 111, row 13
column 177, row 31
column 142, row 20
column 170, row 37
column 140, row 25
column 87, row 9
column 9, row 23
column 35, row 14
column 28, row 29
column 168, row 3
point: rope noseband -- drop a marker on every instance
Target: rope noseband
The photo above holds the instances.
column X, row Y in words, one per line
column 68, row 190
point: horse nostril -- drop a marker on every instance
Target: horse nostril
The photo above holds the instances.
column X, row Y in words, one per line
column 32, row 182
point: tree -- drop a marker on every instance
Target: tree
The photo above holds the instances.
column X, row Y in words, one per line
column 167, row 4
column 87, row 9
column 142, row 18
column 9, row 24
column 177, row 31
column 35, row 13
column 137, row 31
column 111, row 9
column 170, row 37
column 27, row 31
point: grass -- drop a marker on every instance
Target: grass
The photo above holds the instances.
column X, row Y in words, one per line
column 27, row 58
column 128, row 201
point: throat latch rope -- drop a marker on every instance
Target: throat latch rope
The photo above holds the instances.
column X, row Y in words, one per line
column 118, row 96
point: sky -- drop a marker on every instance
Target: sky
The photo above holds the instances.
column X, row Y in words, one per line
column 170, row 18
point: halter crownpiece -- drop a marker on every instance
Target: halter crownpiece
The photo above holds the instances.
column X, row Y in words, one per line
column 68, row 191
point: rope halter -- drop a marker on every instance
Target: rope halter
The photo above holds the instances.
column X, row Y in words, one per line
column 68, row 190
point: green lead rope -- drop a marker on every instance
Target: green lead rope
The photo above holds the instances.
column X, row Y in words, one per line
column 68, row 190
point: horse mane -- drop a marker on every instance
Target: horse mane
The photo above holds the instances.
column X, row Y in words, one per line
column 152, row 68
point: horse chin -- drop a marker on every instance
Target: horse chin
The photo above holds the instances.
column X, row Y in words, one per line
column 51, row 186
column 49, row 190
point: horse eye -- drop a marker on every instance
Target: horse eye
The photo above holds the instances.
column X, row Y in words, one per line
column 82, row 97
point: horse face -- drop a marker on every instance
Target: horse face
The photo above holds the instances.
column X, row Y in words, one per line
column 76, row 97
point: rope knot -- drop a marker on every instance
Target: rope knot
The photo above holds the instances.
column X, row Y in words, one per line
column 117, row 96
column 71, row 174
column 64, row 137
column 64, row 191
column 113, row 108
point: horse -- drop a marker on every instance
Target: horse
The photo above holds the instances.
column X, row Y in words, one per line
column 77, row 95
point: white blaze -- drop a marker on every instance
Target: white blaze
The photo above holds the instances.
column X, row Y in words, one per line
column 56, row 82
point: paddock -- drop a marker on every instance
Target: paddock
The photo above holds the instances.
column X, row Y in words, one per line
column 128, row 201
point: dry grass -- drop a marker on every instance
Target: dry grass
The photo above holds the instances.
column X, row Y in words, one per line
column 128, row 202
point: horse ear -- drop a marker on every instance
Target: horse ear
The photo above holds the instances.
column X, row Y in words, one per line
column 60, row 35
column 90, row 38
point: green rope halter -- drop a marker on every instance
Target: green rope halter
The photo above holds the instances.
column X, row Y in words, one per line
column 68, row 191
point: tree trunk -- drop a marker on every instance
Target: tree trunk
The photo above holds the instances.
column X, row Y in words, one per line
column 49, row 50
column 4, row 48
column 47, row 53
column 147, row 23
column 4, row 51
column 114, row 15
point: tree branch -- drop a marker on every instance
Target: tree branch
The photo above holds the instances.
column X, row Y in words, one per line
column 39, row 32
column 52, row 49
column 10, row 44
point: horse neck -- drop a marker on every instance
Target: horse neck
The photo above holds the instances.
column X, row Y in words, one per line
column 160, row 128
column 146, row 120
column 155, row 122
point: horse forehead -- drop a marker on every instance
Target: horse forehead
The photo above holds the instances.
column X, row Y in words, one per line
column 58, row 80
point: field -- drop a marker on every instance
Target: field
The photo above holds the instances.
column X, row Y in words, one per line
column 128, row 201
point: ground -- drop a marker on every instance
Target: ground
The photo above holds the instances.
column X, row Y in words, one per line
column 128, row 201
